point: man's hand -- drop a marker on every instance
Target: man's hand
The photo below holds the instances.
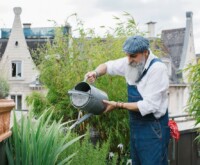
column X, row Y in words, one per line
column 91, row 76
column 110, row 105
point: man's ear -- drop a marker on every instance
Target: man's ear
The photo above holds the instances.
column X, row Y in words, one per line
column 146, row 52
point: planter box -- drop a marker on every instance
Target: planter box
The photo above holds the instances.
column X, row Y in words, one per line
column 6, row 105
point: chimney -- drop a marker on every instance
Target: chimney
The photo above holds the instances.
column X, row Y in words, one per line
column 27, row 25
column 189, row 14
column 151, row 29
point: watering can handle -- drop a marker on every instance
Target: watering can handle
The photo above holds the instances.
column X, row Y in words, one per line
column 85, row 79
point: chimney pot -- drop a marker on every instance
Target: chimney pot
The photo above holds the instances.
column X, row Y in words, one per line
column 151, row 29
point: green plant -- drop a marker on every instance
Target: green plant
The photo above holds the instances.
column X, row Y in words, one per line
column 94, row 152
column 194, row 99
column 4, row 88
column 37, row 102
column 90, row 153
column 38, row 141
column 193, row 104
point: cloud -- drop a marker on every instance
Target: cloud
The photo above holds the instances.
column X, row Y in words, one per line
column 167, row 13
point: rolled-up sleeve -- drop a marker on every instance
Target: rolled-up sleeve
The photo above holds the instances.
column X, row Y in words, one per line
column 116, row 67
column 155, row 93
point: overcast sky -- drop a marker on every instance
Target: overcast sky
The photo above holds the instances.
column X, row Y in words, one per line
column 168, row 14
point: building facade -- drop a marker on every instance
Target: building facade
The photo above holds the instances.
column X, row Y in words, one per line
column 180, row 44
column 16, row 63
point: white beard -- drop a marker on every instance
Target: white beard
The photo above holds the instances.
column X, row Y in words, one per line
column 133, row 72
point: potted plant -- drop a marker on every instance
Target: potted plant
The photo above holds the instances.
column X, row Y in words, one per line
column 6, row 105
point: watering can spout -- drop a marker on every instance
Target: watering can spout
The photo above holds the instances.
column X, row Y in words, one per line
column 82, row 119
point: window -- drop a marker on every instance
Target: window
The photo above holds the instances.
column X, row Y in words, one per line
column 16, row 69
column 18, row 101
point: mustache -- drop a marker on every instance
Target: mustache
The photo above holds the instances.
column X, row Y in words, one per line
column 136, row 65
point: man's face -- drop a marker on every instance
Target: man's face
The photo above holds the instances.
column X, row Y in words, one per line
column 136, row 59
column 136, row 65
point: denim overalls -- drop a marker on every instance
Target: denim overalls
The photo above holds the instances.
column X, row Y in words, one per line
column 149, row 137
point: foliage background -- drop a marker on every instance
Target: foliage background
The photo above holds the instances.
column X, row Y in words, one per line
column 64, row 63
column 193, row 105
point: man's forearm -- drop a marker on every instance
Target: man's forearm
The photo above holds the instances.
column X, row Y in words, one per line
column 101, row 69
column 130, row 106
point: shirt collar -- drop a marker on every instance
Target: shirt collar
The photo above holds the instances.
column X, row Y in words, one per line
column 150, row 57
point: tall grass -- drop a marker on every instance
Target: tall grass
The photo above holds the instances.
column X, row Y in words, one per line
column 38, row 141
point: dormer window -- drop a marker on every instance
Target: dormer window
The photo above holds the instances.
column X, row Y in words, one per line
column 36, row 85
column 16, row 69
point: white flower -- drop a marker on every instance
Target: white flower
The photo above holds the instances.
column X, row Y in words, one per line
column 129, row 162
column 111, row 154
column 120, row 146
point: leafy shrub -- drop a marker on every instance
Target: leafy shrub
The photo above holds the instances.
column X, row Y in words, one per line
column 193, row 105
column 89, row 153
column 37, row 102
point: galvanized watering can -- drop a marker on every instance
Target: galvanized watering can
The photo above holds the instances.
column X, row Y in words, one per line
column 87, row 98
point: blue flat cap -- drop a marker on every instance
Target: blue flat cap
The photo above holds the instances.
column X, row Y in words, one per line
column 135, row 44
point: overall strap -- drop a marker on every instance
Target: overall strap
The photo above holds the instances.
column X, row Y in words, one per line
column 145, row 71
